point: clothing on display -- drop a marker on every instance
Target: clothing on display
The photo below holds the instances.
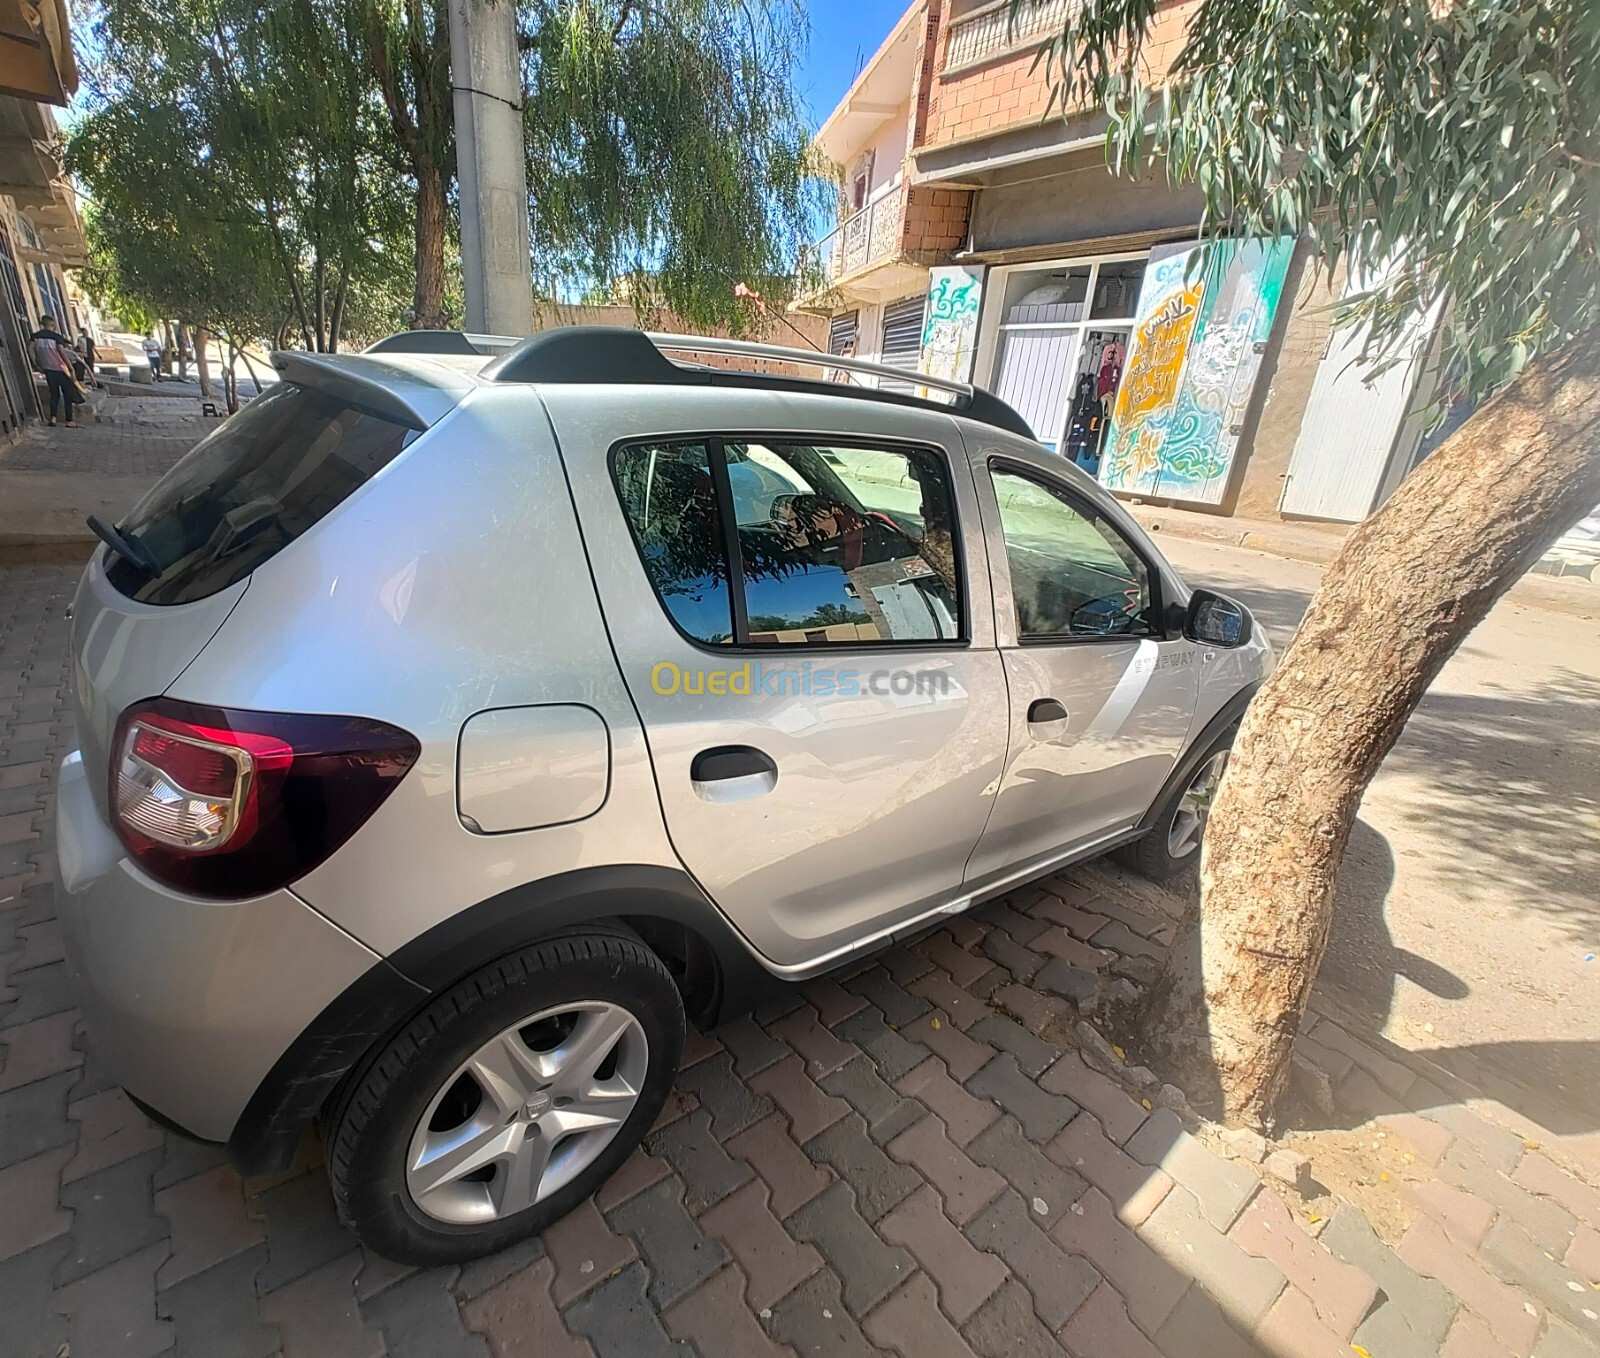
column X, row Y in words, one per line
column 1099, row 375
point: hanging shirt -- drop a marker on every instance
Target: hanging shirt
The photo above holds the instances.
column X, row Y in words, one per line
column 1110, row 370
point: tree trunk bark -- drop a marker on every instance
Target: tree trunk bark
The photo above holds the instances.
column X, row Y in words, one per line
column 1409, row 585
column 202, row 362
column 430, row 238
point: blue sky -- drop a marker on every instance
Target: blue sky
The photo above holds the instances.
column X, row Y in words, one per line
column 844, row 34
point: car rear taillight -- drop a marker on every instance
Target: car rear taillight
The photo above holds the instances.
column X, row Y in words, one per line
column 227, row 804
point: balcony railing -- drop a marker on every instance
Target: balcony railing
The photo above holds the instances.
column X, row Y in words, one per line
column 991, row 31
column 864, row 238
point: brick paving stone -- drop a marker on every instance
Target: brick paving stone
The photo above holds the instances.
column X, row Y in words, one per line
column 1133, row 1189
column 752, row 1047
column 1223, row 1187
column 1081, row 924
column 114, row 1216
column 42, row 944
column 1341, row 1293
column 584, row 1249
column 679, row 1104
column 183, row 1159
column 1538, row 1175
column 1393, row 1076
column 1242, row 1284
column 477, row 1276
column 1293, row 1329
column 962, row 1008
column 1006, row 1326
column 1116, row 937
column 1414, row 1314
column 724, row 1095
column 378, row 1274
column 832, row 1001
column 1562, row 1341
column 30, row 1324
column 1058, row 1282
column 1033, row 1010
column 1466, row 1219
column 1583, row 1256
column 887, row 1114
column 38, row 1050
column 780, row 1003
column 869, row 1267
column 773, row 1262
column 910, row 1324
column 110, row 1129
column 1058, row 977
column 813, row 1319
column 303, row 1230
column 966, row 1277
column 822, row 1052
column 1200, row 1328
column 880, row 1042
column 1510, row 1313
column 1100, row 1328
column 809, row 1109
column 214, row 1313
column 1469, row 1337
column 963, row 1057
column 876, row 986
column 697, row 1046
column 1146, row 926
column 904, row 966
column 1514, row 1258
column 1011, row 955
column 943, row 951
column 317, row 1314
column 964, row 1117
column 1041, row 1114
column 112, row 1311
column 1499, row 1147
column 418, row 1318
column 709, row 1173
column 1545, row 1219
column 675, row 1249
column 208, row 1224
column 1004, row 1149
column 716, row 1319
column 33, row 1119
column 33, row 1213
column 1086, row 957
column 1119, row 1115
column 1427, row 1138
column 636, row 1174
column 789, row 1174
column 879, row 1182
column 41, row 991
column 1033, row 1054
column 965, row 1187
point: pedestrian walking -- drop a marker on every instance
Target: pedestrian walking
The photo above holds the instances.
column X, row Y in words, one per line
column 152, row 351
column 53, row 352
column 91, row 355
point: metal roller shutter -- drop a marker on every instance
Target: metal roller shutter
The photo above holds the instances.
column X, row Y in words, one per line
column 902, row 338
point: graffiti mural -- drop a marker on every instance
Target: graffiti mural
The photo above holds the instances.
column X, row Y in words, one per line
column 1205, row 312
column 950, row 325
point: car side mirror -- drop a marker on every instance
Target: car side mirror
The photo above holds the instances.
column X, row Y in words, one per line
column 1214, row 619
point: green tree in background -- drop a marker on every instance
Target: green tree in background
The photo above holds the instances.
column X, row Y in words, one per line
column 1454, row 151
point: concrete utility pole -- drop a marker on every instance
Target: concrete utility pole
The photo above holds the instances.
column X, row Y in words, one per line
column 486, row 79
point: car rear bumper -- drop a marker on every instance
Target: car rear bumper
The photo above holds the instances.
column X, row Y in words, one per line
column 190, row 1002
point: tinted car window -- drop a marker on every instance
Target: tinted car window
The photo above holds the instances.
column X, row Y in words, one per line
column 671, row 503
column 855, row 547
column 265, row 477
column 1073, row 574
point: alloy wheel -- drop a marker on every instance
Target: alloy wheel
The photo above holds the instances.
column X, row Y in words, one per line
column 1194, row 807
column 527, row 1112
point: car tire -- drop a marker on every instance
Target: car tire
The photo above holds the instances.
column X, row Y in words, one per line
column 432, row 1158
column 1172, row 845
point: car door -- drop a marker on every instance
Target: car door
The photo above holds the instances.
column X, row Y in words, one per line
column 803, row 618
column 1101, row 697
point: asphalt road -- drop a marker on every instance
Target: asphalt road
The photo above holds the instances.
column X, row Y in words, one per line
column 1469, row 904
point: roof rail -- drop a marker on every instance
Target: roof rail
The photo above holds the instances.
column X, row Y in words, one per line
column 620, row 355
column 443, row 342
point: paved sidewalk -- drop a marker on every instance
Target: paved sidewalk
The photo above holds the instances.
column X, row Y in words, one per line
column 924, row 1155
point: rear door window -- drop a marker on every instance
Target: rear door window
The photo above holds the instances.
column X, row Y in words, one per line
column 268, row 475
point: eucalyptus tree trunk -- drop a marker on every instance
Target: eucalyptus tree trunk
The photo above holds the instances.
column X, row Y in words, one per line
column 430, row 241
column 202, row 362
column 1409, row 585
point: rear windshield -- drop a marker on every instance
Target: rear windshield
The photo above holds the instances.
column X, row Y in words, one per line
column 264, row 478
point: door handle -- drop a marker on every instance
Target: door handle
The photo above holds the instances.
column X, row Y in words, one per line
column 732, row 773
column 1045, row 709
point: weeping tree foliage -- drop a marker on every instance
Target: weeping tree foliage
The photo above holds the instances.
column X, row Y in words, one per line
column 667, row 152
column 240, row 169
column 1452, row 151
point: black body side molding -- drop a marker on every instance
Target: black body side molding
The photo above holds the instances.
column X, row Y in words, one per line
column 1184, row 769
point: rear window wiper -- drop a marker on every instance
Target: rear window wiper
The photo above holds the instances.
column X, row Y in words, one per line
column 126, row 545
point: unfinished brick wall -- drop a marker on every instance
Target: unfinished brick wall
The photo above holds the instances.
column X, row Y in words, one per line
column 935, row 223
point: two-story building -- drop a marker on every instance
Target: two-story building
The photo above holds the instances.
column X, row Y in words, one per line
column 982, row 236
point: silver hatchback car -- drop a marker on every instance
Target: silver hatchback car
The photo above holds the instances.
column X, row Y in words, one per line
column 462, row 718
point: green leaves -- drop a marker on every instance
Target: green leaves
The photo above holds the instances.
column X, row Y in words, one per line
column 1456, row 148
